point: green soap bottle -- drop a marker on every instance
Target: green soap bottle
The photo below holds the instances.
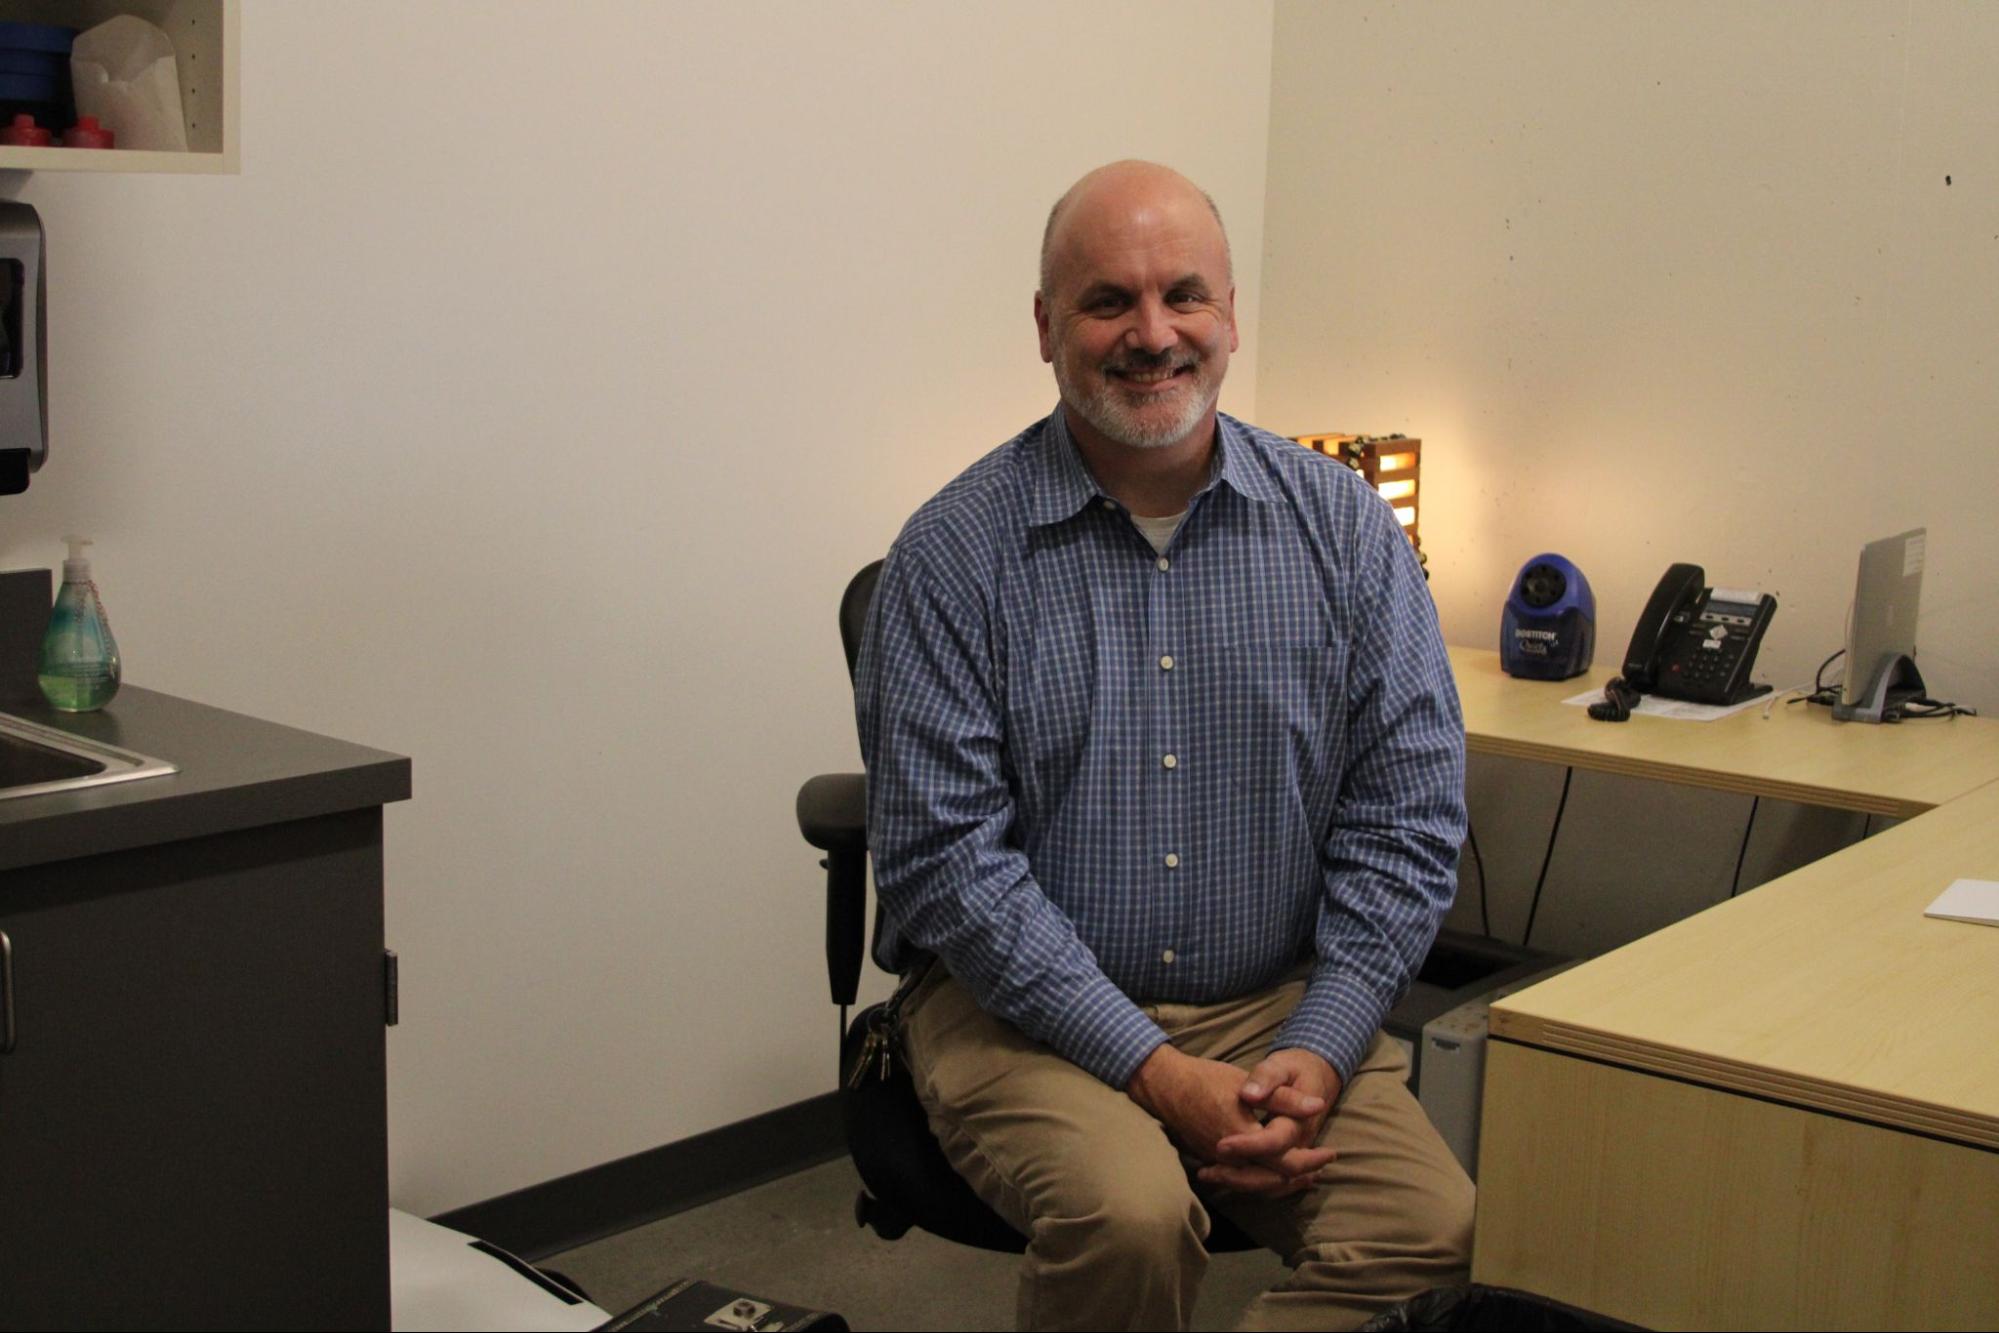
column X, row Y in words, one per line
column 79, row 666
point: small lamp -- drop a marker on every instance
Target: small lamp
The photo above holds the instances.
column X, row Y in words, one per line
column 1392, row 464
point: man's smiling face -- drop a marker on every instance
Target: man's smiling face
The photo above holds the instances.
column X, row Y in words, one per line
column 1138, row 314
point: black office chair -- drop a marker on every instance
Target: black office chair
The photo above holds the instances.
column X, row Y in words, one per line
column 906, row 1179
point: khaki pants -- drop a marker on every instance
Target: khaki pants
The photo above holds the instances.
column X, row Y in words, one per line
column 1116, row 1225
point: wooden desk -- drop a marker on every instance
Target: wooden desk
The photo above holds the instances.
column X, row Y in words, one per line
column 1784, row 1110
column 1798, row 753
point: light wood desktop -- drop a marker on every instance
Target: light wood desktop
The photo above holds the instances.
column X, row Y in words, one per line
column 1796, row 753
column 1784, row 1110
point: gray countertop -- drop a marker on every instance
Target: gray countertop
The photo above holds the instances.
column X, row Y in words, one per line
column 236, row 772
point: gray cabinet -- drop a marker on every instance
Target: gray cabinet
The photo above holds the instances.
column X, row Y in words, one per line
column 192, row 1117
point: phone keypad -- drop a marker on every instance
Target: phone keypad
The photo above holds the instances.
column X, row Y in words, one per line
column 1707, row 665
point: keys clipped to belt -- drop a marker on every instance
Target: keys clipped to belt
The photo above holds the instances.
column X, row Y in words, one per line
column 877, row 1049
column 884, row 1034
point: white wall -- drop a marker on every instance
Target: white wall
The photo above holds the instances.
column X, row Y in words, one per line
column 523, row 407
column 1656, row 283
column 1653, row 283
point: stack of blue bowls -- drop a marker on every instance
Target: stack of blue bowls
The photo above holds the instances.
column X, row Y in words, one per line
column 34, row 73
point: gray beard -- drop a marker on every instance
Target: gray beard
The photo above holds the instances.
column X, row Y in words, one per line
column 1112, row 419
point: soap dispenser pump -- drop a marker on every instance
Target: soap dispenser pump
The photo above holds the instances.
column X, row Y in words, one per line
column 79, row 666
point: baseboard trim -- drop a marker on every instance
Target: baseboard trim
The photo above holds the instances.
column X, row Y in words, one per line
column 600, row 1201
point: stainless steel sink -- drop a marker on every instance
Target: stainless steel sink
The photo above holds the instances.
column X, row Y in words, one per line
column 36, row 760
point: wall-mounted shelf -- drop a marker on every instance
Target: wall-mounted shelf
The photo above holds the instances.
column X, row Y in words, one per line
column 204, row 35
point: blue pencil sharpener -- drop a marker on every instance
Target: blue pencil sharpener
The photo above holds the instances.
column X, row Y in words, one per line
column 1548, row 629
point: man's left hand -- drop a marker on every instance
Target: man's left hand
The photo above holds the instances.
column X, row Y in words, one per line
column 1295, row 1090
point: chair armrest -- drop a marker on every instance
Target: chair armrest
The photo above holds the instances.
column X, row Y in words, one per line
column 833, row 816
column 833, row 812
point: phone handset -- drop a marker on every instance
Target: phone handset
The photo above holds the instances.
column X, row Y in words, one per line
column 1679, row 589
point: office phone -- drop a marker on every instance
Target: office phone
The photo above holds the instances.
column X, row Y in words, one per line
column 1698, row 643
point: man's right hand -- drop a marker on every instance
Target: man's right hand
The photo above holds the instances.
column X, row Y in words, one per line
column 1200, row 1103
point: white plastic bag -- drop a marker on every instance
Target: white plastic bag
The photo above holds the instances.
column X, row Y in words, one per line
column 124, row 75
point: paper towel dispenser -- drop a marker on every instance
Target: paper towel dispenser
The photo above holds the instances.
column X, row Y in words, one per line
column 24, row 371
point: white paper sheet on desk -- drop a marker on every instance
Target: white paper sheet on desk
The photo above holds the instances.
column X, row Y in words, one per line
column 1973, row 900
column 1652, row 705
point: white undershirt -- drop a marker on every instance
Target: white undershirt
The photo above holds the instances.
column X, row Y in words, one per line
column 1159, row 531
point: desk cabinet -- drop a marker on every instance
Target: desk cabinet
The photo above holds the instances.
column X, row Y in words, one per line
column 1699, row 1208
column 192, row 1119
column 1783, row 1111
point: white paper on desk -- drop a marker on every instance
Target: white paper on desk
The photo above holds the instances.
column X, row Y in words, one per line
column 1652, row 705
column 1973, row 900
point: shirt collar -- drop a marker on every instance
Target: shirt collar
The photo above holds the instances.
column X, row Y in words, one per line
column 1059, row 485
column 1242, row 465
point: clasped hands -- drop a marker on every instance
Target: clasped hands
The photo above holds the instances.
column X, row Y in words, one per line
column 1256, row 1132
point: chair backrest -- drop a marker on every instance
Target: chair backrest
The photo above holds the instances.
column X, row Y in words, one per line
column 854, row 605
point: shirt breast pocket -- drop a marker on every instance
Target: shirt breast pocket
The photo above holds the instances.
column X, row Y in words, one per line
column 1278, row 711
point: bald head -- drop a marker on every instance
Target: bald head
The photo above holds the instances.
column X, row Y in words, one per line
column 1136, row 310
column 1115, row 191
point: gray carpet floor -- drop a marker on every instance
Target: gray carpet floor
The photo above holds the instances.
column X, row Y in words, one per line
column 794, row 1241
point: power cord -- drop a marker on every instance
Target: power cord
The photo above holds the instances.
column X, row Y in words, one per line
column 1822, row 693
column 1547, row 857
column 1917, row 708
column 1795, row 694
column 1923, row 706
column 1741, row 854
column 1484, row 913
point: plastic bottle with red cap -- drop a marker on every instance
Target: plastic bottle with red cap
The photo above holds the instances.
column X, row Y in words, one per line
column 87, row 133
column 24, row 133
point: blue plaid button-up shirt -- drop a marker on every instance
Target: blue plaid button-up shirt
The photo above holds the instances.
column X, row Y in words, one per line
column 1101, row 776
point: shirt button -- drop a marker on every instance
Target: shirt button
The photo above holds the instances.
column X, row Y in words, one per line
column 1111, row 505
column 1172, row 859
column 1167, row 957
column 1166, row 662
column 1171, row 762
column 1164, row 564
